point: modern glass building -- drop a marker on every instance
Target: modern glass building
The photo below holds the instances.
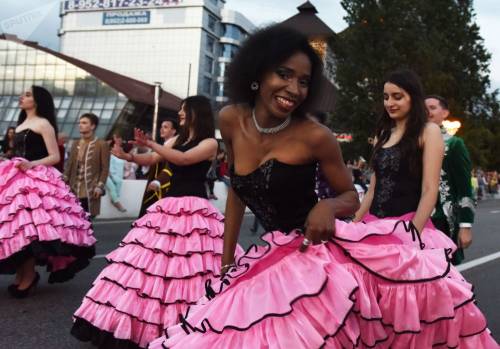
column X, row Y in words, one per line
column 77, row 88
column 235, row 29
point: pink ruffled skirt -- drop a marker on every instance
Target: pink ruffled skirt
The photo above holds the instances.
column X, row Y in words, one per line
column 41, row 218
column 370, row 286
column 158, row 270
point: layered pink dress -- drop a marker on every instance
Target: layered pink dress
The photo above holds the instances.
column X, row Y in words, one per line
column 372, row 285
column 159, row 269
column 39, row 216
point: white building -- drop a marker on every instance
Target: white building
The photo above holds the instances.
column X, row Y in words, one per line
column 175, row 42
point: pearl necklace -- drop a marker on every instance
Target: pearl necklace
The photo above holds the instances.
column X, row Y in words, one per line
column 271, row 130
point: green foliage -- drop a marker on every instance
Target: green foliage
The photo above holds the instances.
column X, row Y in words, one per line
column 438, row 39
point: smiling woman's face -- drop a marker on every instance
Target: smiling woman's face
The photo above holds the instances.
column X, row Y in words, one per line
column 286, row 87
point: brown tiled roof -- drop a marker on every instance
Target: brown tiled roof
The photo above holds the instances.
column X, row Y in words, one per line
column 308, row 23
column 135, row 90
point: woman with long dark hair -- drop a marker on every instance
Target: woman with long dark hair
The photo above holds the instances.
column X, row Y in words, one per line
column 407, row 161
column 41, row 221
column 161, row 265
column 8, row 143
column 318, row 282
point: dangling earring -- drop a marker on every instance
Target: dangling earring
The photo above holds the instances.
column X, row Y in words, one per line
column 254, row 86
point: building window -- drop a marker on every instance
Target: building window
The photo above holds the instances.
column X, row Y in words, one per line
column 209, row 63
column 212, row 22
column 210, row 44
column 229, row 50
column 207, row 86
column 233, row 32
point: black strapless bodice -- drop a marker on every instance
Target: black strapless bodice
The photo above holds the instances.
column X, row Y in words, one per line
column 188, row 180
column 397, row 187
column 30, row 145
column 279, row 194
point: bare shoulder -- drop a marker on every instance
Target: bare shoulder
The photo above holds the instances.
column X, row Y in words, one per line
column 43, row 125
column 318, row 135
column 431, row 130
column 230, row 118
column 230, row 114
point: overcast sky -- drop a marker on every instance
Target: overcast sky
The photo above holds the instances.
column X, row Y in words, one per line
column 38, row 20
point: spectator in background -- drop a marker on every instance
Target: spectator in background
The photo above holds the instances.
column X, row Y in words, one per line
column 115, row 177
column 87, row 167
column 62, row 138
column 454, row 212
column 8, row 143
column 130, row 168
column 159, row 173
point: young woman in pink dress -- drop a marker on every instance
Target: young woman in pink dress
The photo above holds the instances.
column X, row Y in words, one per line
column 41, row 221
column 161, row 265
column 318, row 282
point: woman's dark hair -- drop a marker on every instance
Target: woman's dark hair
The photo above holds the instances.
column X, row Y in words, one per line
column 442, row 101
column 6, row 137
column 44, row 106
column 262, row 53
column 417, row 118
column 199, row 118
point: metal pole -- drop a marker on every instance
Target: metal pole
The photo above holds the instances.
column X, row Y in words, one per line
column 189, row 80
column 155, row 114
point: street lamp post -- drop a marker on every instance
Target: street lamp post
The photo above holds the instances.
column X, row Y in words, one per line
column 155, row 113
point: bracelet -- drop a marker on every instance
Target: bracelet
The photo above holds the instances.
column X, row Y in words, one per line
column 228, row 265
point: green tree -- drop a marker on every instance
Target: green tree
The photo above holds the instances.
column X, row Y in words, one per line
column 438, row 39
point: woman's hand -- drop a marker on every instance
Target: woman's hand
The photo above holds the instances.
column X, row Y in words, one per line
column 118, row 151
column 320, row 225
column 141, row 139
column 24, row 165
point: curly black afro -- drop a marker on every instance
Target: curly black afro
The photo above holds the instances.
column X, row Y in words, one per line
column 263, row 52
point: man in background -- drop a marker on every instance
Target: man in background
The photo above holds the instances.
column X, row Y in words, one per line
column 454, row 212
column 87, row 167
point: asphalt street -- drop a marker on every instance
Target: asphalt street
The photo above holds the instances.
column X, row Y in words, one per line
column 44, row 319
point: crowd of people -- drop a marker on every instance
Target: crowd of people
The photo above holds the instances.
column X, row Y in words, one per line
column 331, row 272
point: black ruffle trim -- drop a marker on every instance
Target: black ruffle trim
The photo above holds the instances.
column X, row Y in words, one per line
column 157, row 229
column 144, row 295
column 213, row 215
column 86, row 332
column 168, row 253
column 41, row 250
column 160, row 276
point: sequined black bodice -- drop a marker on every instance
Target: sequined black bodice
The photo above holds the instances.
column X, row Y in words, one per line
column 397, row 187
column 279, row 194
column 188, row 180
column 29, row 145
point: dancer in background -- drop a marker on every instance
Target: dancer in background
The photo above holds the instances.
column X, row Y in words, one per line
column 318, row 282
column 41, row 221
column 161, row 265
